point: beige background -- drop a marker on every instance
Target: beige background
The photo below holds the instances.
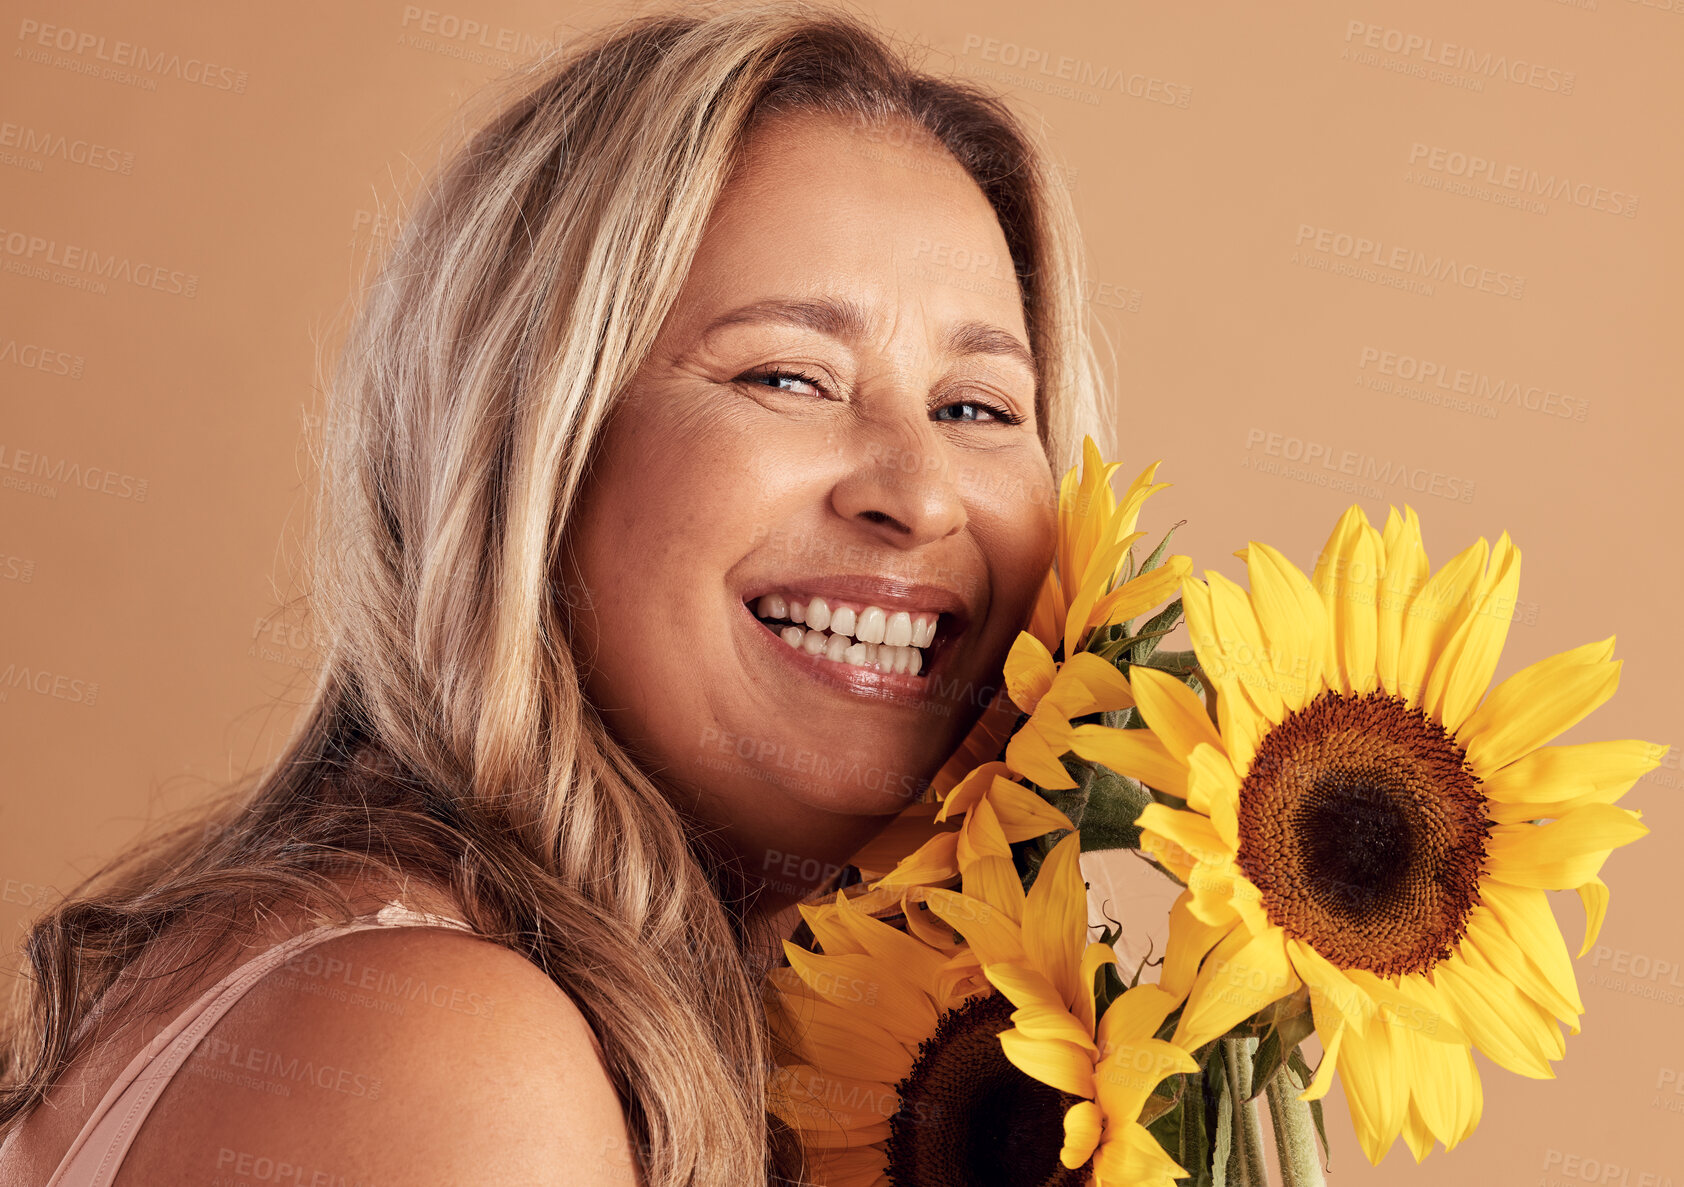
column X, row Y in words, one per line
column 145, row 650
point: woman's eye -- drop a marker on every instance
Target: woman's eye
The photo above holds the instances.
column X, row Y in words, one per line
column 993, row 411
column 782, row 379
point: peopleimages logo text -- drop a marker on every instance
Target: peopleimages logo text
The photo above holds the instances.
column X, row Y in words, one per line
column 1409, row 260
column 1461, row 57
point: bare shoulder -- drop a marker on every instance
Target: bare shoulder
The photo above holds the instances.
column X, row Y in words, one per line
column 408, row 1054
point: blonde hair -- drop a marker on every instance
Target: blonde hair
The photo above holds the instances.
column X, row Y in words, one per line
column 447, row 736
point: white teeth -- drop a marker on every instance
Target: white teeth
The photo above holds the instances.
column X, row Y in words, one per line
column 871, row 638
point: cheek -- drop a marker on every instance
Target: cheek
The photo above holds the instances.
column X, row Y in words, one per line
column 669, row 512
column 1017, row 511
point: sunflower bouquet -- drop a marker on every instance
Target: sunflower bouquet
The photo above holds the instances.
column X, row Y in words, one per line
column 1362, row 829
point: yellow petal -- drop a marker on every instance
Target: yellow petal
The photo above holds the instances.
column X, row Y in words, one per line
column 1293, row 619
column 1416, row 1135
column 1501, row 1023
column 1134, row 1158
column 981, row 836
column 1190, row 940
column 1129, row 1074
column 850, row 1044
column 976, row 784
column 882, row 941
column 1248, row 659
column 1038, row 1019
column 1462, row 672
column 1135, row 1016
column 1442, row 1086
column 1055, row 920
column 1065, row 1066
column 1174, row 713
column 1564, row 853
column 1102, row 570
column 994, row 935
column 1029, row 671
column 1525, row 917
column 934, row 861
column 1094, row 958
column 1594, row 894
column 1211, row 781
column 1347, row 577
column 995, row 880
column 1141, row 592
column 1192, row 833
column 1139, row 754
column 1088, row 684
column 1537, row 703
column 1588, row 771
column 1432, row 616
column 1335, row 1000
column 1022, row 813
column 1375, row 1076
column 1403, row 573
column 1034, row 751
column 862, row 984
column 1331, row 1041
column 1200, row 615
column 1082, row 1125
column 1046, row 621
column 1242, row 974
column 1502, row 955
column 1242, row 728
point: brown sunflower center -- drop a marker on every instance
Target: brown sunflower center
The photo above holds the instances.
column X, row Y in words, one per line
column 970, row 1118
column 1365, row 831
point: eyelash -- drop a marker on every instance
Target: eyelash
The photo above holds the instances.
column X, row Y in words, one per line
column 1005, row 415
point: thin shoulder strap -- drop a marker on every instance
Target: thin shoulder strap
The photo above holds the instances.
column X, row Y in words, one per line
column 99, row 1149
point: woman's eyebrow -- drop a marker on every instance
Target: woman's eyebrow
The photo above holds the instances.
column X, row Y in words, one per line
column 837, row 317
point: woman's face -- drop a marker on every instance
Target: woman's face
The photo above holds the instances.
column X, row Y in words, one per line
column 831, row 451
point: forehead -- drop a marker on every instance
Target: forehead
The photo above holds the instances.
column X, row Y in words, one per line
column 824, row 205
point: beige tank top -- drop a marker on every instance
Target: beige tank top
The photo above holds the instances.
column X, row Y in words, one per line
column 99, row 1149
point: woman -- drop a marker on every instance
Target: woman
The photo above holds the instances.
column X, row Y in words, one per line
column 688, row 475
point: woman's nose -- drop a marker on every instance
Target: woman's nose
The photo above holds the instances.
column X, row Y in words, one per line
column 901, row 485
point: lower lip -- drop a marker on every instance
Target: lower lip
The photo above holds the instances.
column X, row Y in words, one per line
column 865, row 682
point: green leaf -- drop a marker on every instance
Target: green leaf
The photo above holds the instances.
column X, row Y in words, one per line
column 1182, row 1133
column 1157, row 557
column 1222, row 1149
column 1160, row 624
column 1114, row 803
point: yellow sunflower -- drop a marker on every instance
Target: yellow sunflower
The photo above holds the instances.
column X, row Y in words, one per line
column 1020, row 813
column 1361, row 827
column 1095, row 534
column 908, row 1062
column 1044, row 964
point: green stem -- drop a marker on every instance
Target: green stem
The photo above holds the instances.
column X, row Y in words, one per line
column 1245, row 1155
column 1295, row 1136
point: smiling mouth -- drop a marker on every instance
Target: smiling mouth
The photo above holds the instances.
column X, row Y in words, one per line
column 858, row 636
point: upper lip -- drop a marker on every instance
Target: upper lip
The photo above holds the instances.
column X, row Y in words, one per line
column 889, row 593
